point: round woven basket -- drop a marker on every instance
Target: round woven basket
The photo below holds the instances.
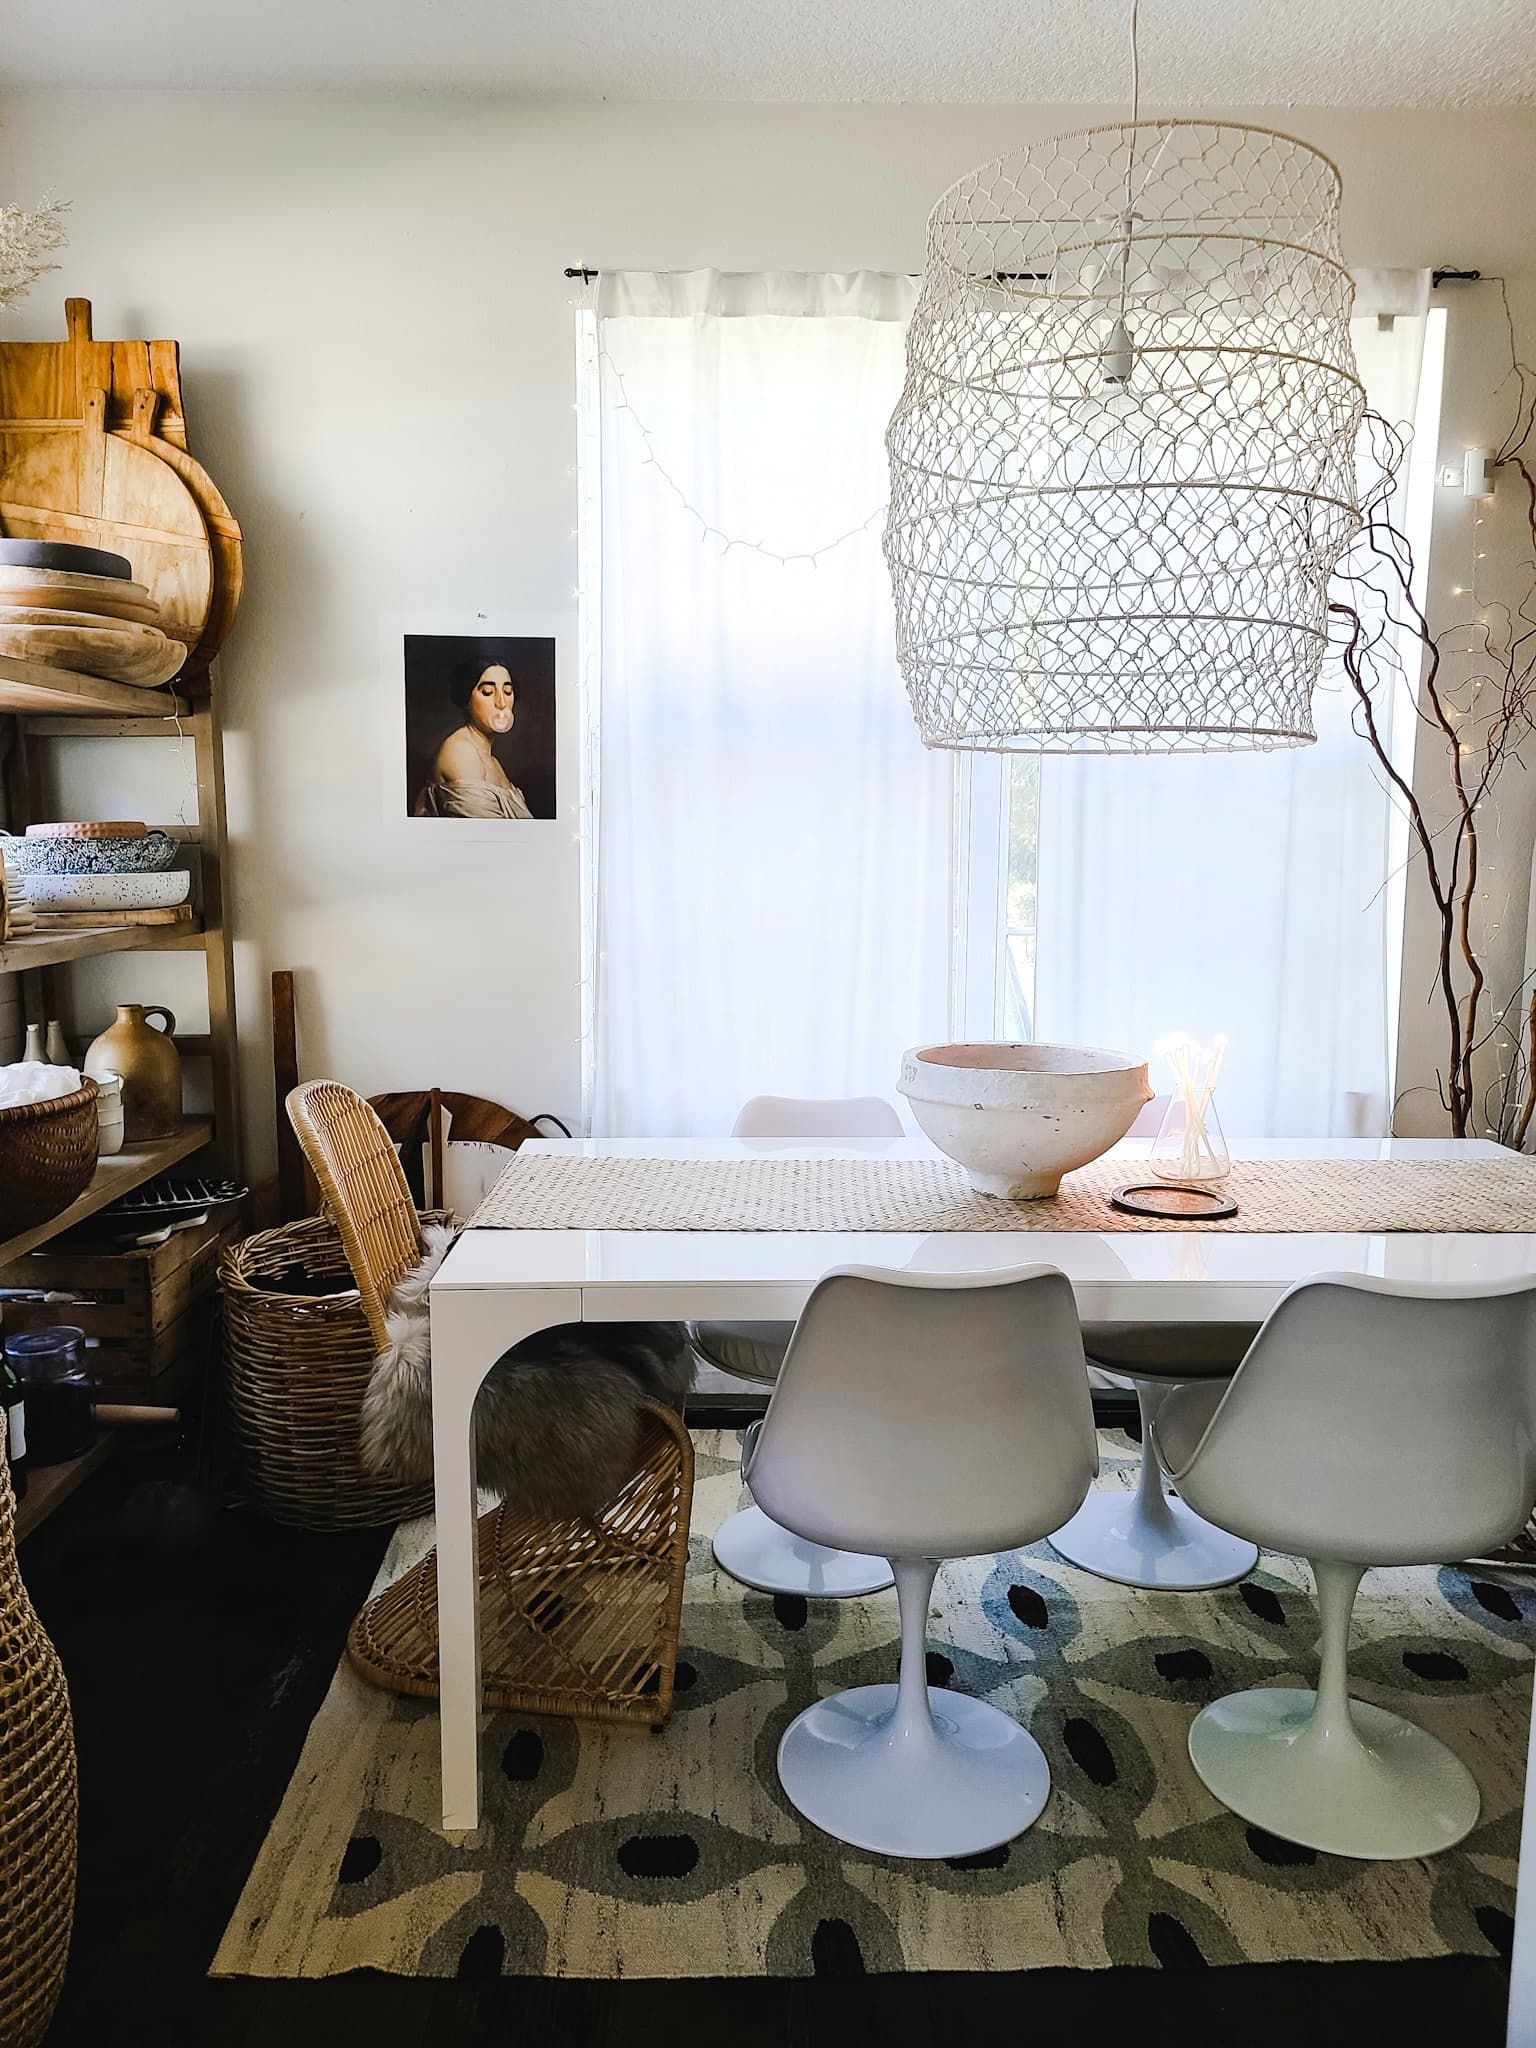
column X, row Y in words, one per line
column 37, row 1804
column 297, row 1356
column 47, row 1156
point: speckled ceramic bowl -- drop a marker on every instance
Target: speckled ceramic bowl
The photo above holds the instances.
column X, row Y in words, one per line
column 108, row 892
column 151, row 855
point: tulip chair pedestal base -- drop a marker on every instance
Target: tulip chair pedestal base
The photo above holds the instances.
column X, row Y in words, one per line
column 968, row 1780
column 908, row 1769
column 1380, row 1788
column 1148, row 1537
column 1155, row 1543
column 761, row 1554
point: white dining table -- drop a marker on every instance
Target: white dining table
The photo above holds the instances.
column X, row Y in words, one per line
column 497, row 1287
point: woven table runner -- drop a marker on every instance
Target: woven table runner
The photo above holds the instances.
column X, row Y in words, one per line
column 1346, row 1195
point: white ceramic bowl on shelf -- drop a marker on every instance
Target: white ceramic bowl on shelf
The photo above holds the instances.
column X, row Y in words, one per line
column 1017, row 1117
column 109, row 892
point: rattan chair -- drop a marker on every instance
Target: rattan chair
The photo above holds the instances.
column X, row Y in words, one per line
column 577, row 1618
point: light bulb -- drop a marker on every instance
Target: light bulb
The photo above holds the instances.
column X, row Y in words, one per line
column 1118, row 358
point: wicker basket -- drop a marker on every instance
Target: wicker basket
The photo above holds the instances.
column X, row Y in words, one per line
column 47, row 1156
column 296, row 1367
column 576, row 1618
column 37, row 1805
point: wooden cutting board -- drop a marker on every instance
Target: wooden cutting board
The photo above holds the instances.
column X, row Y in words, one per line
column 51, row 380
column 223, row 528
column 114, row 648
column 59, row 589
column 84, row 484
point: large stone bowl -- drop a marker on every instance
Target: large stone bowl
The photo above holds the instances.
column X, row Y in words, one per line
column 1017, row 1117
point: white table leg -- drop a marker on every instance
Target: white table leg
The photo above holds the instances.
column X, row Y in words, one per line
column 1522, row 1962
column 471, row 1328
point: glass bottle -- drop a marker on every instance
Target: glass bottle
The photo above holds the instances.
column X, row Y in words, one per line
column 51, row 1364
column 1190, row 1148
column 13, row 1401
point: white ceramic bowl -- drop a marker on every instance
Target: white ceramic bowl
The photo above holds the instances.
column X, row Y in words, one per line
column 109, row 892
column 1017, row 1117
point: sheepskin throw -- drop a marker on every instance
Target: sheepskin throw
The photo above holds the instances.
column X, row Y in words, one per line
column 557, row 1422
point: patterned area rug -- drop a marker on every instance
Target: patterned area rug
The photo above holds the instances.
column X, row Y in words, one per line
column 613, row 1853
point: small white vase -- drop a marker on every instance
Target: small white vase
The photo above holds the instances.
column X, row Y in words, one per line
column 109, row 1114
column 58, row 1050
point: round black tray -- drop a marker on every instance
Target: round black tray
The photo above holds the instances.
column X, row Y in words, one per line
column 59, row 554
column 1172, row 1202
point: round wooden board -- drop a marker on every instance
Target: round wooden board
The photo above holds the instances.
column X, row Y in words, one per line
column 50, row 615
column 143, row 611
column 105, row 490
column 123, row 653
column 224, row 538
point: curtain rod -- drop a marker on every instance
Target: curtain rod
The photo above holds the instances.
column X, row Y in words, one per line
column 1437, row 277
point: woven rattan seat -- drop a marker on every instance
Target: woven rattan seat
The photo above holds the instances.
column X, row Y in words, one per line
column 576, row 1618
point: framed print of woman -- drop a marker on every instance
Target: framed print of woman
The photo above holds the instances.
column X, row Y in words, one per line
column 480, row 726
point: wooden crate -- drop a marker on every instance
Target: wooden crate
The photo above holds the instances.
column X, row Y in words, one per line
column 145, row 1311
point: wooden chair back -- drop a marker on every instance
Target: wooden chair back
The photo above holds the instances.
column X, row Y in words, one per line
column 353, row 1158
column 415, row 1117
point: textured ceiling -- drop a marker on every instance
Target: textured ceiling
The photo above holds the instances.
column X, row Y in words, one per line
column 1422, row 53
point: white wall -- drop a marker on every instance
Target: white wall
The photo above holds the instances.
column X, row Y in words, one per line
column 377, row 352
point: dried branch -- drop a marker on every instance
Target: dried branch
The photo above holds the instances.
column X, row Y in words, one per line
column 1375, row 602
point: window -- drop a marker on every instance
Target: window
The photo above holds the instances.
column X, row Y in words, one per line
column 785, row 889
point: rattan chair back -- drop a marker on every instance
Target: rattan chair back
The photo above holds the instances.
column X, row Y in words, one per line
column 364, row 1185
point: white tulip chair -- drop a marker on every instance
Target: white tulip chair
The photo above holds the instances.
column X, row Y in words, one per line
column 1372, row 1423
column 922, row 1417
column 750, row 1546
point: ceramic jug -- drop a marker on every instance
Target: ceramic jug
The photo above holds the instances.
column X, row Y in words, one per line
column 150, row 1066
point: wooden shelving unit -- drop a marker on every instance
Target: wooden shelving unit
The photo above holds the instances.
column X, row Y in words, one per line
column 57, row 949
column 29, row 687
column 38, row 704
column 119, row 1175
column 49, row 1486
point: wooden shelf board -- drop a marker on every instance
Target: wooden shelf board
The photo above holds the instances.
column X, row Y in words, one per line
column 49, row 1486
column 53, row 949
column 167, row 727
column 34, row 687
column 114, row 1177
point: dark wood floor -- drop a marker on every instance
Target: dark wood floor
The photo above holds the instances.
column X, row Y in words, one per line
column 199, row 1640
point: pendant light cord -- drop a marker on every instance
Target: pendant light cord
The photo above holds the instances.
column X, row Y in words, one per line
column 1130, row 156
column 1135, row 67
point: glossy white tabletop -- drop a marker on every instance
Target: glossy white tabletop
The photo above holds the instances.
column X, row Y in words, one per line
column 1185, row 1274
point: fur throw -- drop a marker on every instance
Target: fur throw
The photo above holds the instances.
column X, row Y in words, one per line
column 557, row 1421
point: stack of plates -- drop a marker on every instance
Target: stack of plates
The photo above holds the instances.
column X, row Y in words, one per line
column 20, row 916
column 100, row 872
column 78, row 608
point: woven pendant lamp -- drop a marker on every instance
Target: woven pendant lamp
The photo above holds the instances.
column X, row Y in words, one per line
column 1123, row 460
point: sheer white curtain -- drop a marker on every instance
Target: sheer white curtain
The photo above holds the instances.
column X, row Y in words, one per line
column 1242, row 893
column 771, row 885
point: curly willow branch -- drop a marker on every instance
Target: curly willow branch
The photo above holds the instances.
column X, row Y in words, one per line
column 1373, row 600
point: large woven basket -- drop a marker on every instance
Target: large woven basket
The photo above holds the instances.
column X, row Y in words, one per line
column 297, row 1356
column 47, row 1156
column 37, row 1804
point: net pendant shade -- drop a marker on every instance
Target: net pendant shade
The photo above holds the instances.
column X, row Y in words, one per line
column 1123, row 460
